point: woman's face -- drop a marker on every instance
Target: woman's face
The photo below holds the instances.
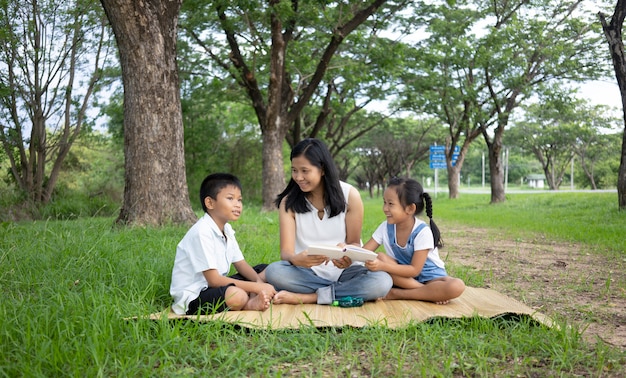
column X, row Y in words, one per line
column 306, row 175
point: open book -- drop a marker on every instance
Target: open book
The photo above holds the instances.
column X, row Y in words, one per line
column 334, row 252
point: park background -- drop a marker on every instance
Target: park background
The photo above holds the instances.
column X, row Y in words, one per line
column 484, row 78
column 505, row 90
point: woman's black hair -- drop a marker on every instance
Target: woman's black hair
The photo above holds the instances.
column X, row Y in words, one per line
column 411, row 192
column 316, row 152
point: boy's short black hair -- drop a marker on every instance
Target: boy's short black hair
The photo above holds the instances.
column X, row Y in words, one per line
column 215, row 182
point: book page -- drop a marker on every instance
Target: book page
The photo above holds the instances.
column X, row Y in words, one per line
column 333, row 252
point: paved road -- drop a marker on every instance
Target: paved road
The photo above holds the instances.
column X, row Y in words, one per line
column 522, row 191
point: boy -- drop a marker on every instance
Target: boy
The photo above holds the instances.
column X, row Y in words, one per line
column 205, row 254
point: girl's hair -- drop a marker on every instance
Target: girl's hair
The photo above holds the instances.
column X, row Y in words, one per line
column 316, row 152
column 214, row 183
column 411, row 192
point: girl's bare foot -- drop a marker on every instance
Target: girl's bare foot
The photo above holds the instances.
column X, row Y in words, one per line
column 258, row 302
column 412, row 294
column 287, row 297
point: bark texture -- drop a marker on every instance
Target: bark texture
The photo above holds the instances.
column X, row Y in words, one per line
column 155, row 190
column 613, row 33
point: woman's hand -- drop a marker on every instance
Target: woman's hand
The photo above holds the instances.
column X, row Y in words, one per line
column 305, row 260
column 343, row 262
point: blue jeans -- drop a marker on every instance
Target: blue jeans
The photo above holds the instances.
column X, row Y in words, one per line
column 355, row 281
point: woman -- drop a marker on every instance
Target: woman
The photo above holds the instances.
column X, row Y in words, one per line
column 317, row 208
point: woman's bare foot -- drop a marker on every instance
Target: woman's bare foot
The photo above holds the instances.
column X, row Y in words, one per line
column 258, row 302
column 287, row 297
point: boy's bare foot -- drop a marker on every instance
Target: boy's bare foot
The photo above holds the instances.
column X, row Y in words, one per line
column 258, row 302
column 287, row 297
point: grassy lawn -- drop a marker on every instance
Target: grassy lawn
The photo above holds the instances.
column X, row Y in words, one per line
column 68, row 285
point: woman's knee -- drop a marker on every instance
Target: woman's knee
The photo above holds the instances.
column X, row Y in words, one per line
column 379, row 284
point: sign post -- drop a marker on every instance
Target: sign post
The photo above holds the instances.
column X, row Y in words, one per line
column 438, row 160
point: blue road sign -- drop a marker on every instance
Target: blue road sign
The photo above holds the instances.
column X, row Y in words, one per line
column 438, row 165
column 442, row 149
column 438, row 157
column 442, row 157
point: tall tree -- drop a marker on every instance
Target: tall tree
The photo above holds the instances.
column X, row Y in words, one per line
column 394, row 148
column 592, row 143
column 51, row 57
column 484, row 59
column 550, row 130
column 613, row 33
column 441, row 78
column 279, row 52
column 155, row 181
column 539, row 43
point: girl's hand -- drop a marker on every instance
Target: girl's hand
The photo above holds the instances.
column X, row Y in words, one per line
column 379, row 263
column 374, row 265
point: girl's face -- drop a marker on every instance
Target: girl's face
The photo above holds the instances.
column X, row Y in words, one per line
column 306, row 175
column 393, row 209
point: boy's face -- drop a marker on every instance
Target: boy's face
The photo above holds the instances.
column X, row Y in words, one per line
column 227, row 206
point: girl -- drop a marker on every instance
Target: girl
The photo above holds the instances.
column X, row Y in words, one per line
column 412, row 257
column 317, row 208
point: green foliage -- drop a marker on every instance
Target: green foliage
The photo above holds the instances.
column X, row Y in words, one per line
column 231, row 44
column 221, row 137
column 91, row 183
column 394, row 148
column 51, row 57
column 560, row 128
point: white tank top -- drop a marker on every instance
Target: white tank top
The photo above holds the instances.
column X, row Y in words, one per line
column 310, row 229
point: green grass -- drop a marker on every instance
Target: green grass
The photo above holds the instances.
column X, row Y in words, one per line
column 67, row 287
column 588, row 218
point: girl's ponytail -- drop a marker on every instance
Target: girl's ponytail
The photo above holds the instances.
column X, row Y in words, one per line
column 429, row 213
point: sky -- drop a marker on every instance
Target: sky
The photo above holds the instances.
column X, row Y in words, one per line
column 605, row 92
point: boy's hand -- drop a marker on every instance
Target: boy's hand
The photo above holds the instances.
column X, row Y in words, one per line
column 267, row 288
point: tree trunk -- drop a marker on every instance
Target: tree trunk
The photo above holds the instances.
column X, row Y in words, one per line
column 621, row 178
column 496, row 172
column 453, row 181
column 273, row 168
column 279, row 113
column 613, row 33
column 155, row 190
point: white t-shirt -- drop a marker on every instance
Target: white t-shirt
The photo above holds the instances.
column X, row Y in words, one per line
column 310, row 229
column 204, row 247
column 423, row 240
